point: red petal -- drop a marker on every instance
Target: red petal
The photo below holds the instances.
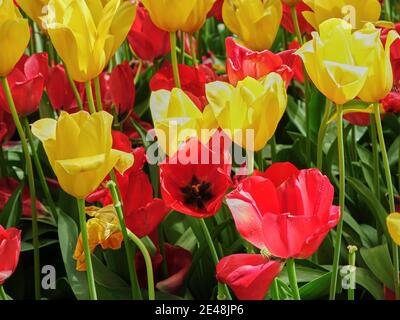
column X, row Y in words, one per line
column 278, row 172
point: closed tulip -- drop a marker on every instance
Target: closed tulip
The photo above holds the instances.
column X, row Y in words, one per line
column 357, row 12
column 122, row 87
column 370, row 52
column 251, row 110
column 173, row 15
column 177, row 118
column 255, row 22
column 10, row 248
column 35, row 9
column 14, row 36
column 78, row 147
column 330, row 61
column 86, row 34
column 26, row 81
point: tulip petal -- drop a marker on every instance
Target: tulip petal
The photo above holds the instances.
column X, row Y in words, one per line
column 44, row 129
column 393, row 224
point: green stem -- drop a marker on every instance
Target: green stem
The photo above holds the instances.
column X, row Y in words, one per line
column 3, row 294
column 273, row 149
column 387, row 10
column 147, row 260
column 138, row 72
column 321, row 134
column 352, row 262
column 31, row 182
column 50, row 50
column 39, row 169
column 224, row 291
column 3, row 164
column 89, row 94
column 375, row 154
column 296, row 24
column 250, row 162
column 182, row 48
column 161, row 244
column 291, row 269
column 275, row 290
column 97, row 90
column 342, row 185
column 174, row 59
column 389, row 183
column 74, row 89
column 86, row 250
column 135, row 288
column 193, row 50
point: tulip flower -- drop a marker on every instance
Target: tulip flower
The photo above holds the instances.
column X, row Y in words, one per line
column 293, row 61
column 10, row 248
column 371, row 54
column 147, row 41
column 103, row 229
column 122, row 87
column 173, row 15
column 59, row 90
column 178, row 261
column 394, row 52
column 248, row 275
column 7, row 126
column 193, row 81
column 250, row 112
column 330, row 61
column 291, row 2
column 287, row 20
column 86, row 34
column 177, row 118
column 243, row 62
column 287, row 211
column 35, row 9
column 26, row 81
column 357, row 12
column 14, row 35
column 192, row 182
column 391, row 103
column 255, row 22
column 216, row 10
column 78, row 147
column 393, row 224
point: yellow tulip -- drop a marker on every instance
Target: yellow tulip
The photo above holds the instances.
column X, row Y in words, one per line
column 369, row 52
column 173, row 15
column 356, row 12
column 14, row 36
column 78, row 147
column 103, row 229
column 35, row 9
column 177, row 118
column 255, row 22
column 86, row 34
column 253, row 107
column 393, row 224
column 330, row 62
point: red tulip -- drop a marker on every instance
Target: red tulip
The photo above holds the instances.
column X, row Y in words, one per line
column 293, row 61
column 287, row 21
column 122, row 87
column 289, row 218
column 26, row 81
column 191, row 185
column 10, row 248
column 248, row 275
column 243, row 62
column 178, row 261
column 59, row 90
column 358, row 119
column 147, row 41
column 193, row 81
column 121, row 142
column 394, row 53
column 7, row 126
column 392, row 102
column 216, row 10
column 8, row 187
column 131, row 131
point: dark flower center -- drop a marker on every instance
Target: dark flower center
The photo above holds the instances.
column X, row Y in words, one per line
column 197, row 193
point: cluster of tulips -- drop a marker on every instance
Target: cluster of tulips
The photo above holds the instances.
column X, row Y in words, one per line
column 172, row 132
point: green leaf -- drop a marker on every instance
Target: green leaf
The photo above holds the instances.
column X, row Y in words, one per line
column 368, row 281
column 316, row 288
column 379, row 262
column 68, row 237
column 105, row 277
column 28, row 246
column 11, row 213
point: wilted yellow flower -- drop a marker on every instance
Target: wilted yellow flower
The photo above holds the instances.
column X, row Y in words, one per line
column 369, row 52
column 330, row 61
column 255, row 22
column 86, row 34
column 251, row 110
column 393, row 224
column 103, row 229
column 173, row 15
column 356, row 12
column 177, row 118
column 14, row 36
column 78, row 147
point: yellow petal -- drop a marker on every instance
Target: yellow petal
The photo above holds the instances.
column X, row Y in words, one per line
column 393, row 224
column 44, row 129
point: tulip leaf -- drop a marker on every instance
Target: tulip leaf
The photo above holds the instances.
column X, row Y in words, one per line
column 316, row 288
column 297, row 115
column 368, row 281
column 68, row 237
column 11, row 212
column 105, row 277
column 28, row 246
column 379, row 262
